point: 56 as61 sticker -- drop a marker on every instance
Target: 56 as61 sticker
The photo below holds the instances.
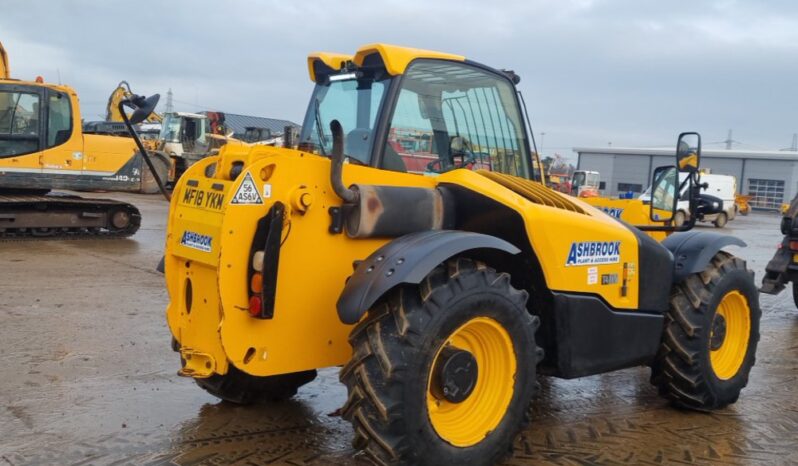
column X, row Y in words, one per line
column 247, row 193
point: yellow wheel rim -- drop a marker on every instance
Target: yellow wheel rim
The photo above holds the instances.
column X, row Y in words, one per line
column 467, row 423
column 731, row 328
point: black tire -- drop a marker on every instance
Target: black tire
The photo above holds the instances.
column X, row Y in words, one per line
column 393, row 352
column 683, row 370
column 679, row 218
column 721, row 220
column 161, row 163
column 795, row 293
column 241, row 388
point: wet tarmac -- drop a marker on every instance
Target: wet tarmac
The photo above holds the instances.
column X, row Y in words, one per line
column 87, row 377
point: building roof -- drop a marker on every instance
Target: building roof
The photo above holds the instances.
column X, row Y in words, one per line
column 240, row 123
column 714, row 153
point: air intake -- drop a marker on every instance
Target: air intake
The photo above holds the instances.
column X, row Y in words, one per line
column 533, row 191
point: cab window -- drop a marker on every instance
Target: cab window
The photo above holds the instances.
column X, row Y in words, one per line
column 19, row 123
column 453, row 115
column 59, row 120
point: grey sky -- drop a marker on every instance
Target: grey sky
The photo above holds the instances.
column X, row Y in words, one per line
column 634, row 72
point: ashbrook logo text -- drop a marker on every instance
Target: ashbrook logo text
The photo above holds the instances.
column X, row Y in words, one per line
column 594, row 252
column 196, row 241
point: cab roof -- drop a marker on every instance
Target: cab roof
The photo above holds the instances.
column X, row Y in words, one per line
column 394, row 58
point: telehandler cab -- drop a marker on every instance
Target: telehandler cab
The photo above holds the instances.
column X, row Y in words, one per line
column 468, row 282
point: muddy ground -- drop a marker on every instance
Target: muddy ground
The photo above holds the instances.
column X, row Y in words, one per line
column 87, row 377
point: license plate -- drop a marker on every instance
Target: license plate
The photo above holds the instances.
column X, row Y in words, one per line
column 196, row 197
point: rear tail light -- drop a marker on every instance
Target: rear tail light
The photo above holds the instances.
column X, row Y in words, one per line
column 256, row 283
column 255, row 305
column 794, row 245
column 265, row 254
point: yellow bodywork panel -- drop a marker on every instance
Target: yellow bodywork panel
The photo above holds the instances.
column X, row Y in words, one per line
column 631, row 211
column 394, row 57
column 305, row 332
column 81, row 153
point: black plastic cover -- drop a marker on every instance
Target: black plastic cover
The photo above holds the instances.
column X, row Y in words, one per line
column 407, row 259
column 693, row 250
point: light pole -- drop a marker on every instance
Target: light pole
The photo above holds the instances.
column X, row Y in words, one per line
column 542, row 136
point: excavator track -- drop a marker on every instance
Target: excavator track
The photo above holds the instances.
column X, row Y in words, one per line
column 57, row 215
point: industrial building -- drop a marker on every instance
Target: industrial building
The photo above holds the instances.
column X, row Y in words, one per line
column 771, row 177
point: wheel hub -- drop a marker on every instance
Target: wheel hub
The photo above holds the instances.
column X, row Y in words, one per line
column 718, row 332
column 120, row 219
column 455, row 376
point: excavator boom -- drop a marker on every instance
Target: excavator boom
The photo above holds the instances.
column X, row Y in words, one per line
column 5, row 72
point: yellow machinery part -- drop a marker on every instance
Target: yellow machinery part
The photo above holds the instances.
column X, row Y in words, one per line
column 305, row 332
column 467, row 423
column 735, row 315
column 394, row 57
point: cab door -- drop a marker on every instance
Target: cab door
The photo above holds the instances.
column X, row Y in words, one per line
column 21, row 135
column 62, row 156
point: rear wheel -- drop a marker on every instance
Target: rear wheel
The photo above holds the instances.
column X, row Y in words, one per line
column 710, row 338
column 721, row 220
column 443, row 372
column 241, row 388
column 795, row 293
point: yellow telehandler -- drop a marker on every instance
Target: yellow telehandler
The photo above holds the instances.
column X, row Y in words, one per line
column 443, row 294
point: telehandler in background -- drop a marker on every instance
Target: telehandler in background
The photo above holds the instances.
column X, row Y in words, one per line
column 783, row 267
column 43, row 147
column 442, row 295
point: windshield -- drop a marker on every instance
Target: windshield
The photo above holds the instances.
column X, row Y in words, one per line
column 579, row 179
column 19, row 123
column 170, row 128
column 355, row 104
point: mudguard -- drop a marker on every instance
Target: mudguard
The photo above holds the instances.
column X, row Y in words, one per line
column 407, row 259
column 693, row 250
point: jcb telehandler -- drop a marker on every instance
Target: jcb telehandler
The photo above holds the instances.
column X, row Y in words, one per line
column 444, row 296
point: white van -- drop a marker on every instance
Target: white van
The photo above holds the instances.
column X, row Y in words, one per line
column 721, row 186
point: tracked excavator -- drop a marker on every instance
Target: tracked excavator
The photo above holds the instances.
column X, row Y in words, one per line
column 43, row 147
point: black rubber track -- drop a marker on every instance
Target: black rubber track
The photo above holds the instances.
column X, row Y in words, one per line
column 682, row 370
column 68, row 204
column 239, row 387
column 393, row 349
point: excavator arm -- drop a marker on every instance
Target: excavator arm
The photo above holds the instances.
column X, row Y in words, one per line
column 5, row 72
column 122, row 92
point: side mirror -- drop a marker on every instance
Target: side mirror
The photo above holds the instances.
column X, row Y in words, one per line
column 664, row 193
column 688, row 152
column 142, row 107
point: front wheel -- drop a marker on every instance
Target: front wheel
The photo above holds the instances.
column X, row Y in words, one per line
column 710, row 338
column 443, row 372
column 721, row 220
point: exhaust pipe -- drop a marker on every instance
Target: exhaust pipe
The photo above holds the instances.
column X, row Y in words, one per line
column 350, row 196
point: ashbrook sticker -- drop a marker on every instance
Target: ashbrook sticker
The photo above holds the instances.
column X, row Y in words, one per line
column 247, row 193
column 594, row 252
column 196, row 241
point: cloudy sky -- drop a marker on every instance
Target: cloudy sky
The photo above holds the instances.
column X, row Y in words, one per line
column 629, row 72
